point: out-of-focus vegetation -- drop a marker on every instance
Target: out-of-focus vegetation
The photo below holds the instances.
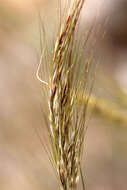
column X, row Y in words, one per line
column 23, row 162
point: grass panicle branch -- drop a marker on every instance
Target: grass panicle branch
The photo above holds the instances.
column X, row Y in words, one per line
column 106, row 110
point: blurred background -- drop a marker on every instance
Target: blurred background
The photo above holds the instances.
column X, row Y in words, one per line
column 23, row 162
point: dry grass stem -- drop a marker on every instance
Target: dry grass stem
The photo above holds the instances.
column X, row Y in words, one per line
column 106, row 111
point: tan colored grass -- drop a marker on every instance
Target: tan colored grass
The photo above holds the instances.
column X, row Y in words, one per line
column 68, row 74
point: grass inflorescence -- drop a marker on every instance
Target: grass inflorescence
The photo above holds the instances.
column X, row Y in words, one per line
column 68, row 73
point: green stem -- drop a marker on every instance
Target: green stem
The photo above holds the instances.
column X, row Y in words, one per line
column 83, row 184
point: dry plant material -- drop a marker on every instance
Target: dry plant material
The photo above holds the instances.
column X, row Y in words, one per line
column 69, row 73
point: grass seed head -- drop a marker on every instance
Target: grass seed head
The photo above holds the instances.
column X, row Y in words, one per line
column 67, row 77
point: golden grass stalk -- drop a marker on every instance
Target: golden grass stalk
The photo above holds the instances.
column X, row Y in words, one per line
column 68, row 74
column 106, row 111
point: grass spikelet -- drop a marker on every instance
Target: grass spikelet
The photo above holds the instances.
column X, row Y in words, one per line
column 69, row 73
